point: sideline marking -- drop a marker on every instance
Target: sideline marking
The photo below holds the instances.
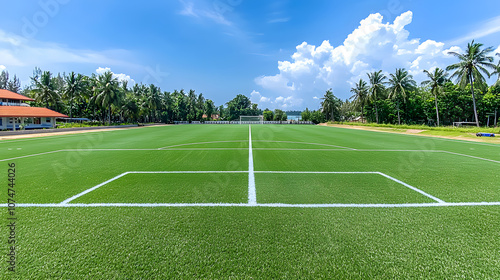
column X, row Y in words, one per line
column 252, row 194
column 269, row 149
column 270, row 205
column 305, row 143
column 452, row 153
column 51, row 152
column 425, row 136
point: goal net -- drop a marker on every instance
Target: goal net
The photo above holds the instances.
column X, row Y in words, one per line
column 251, row 119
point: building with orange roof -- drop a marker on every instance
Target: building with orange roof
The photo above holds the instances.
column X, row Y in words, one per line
column 14, row 113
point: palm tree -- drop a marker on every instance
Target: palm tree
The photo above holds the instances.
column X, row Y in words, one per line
column 107, row 92
column 45, row 89
column 472, row 63
column 497, row 72
column 360, row 95
column 377, row 87
column 400, row 83
column 75, row 84
column 436, row 81
column 329, row 104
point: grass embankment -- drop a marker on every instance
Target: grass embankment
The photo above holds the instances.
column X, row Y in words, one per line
column 443, row 131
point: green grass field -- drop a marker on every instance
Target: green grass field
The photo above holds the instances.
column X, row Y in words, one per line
column 266, row 201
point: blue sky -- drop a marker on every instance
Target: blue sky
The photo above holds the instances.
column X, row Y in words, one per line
column 282, row 54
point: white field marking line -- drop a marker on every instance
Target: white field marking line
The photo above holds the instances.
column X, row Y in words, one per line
column 205, row 149
column 361, row 172
column 305, row 143
column 452, row 153
column 252, row 194
column 429, row 137
column 413, row 188
column 91, row 189
column 317, row 172
column 270, row 149
column 199, row 143
column 183, row 172
column 286, row 149
column 382, row 150
column 270, row 205
column 33, row 155
column 144, row 172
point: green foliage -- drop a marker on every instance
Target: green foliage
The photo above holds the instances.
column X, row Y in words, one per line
column 268, row 115
column 13, row 84
column 241, row 106
column 330, row 106
column 473, row 64
column 279, row 115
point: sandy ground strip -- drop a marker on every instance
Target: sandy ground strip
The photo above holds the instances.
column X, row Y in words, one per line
column 41, row 134
column 416, row 133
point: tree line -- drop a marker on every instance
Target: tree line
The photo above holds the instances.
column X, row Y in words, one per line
column 106, row 99
column 437, row 101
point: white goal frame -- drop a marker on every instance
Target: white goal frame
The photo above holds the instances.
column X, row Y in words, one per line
column 260, row 121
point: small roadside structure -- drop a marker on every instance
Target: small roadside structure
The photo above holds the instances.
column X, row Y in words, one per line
column 16, row 114
column 358, row 120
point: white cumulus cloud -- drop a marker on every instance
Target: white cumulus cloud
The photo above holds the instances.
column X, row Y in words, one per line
column 2, row 67
column 374, row 45
column 121, row 77
column 279, row 102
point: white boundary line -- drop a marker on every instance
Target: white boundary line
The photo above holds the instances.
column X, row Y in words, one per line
column 252, row 194
column 469, row 156
column 271, row 205
column 305, row 143
column 51, row 152
column 428, row 137
column 267, row 149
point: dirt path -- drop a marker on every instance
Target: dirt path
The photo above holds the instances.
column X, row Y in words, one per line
column 41, row 134
column 417, row 133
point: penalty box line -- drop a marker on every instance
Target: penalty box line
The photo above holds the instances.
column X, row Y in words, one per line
column 252, row 197
column 142, row 172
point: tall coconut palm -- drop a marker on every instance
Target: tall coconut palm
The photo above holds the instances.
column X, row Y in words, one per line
column 497, row 72
column 74, row 85
column 107, row 92
column 329, row 105
column 472, row 65
column 436, row 81
column 360, row 96
column 400, row 83
column 45, row 89
column 377, row 87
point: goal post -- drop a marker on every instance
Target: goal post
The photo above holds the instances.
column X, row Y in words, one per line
column 251, row 119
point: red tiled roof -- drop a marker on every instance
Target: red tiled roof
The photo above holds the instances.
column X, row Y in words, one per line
column 7, row 94
column 28, row 112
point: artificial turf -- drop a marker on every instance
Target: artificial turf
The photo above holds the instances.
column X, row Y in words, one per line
column 253, row 242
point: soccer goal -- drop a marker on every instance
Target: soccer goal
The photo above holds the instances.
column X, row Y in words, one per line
column 251, row 119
